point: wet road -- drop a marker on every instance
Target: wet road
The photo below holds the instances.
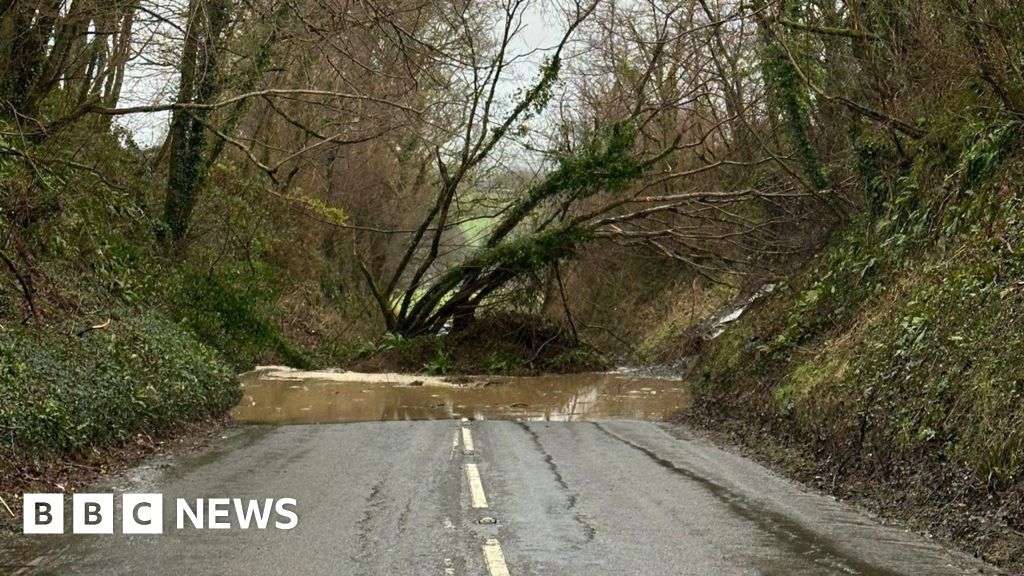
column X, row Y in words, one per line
column 576, row 498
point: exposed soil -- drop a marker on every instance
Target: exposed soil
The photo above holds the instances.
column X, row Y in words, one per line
column 939, row 501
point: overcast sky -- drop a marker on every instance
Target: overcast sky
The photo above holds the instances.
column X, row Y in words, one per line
column 150, row 80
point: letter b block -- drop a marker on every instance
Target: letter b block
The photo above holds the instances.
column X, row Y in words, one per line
column 92, row 514
column 43, row 514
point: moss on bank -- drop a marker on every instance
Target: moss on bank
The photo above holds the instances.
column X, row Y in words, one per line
column 894, row 361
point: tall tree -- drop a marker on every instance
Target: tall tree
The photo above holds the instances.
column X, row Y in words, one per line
column 198, row 87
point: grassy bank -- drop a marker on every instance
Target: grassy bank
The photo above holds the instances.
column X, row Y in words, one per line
column 889, row 369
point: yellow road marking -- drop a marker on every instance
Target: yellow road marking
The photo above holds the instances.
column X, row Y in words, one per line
column 449, row 570
column 467, row 440
column 477, row 498
column 495, row 559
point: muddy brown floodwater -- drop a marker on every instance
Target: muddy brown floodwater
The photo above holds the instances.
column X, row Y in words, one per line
column 279, row 396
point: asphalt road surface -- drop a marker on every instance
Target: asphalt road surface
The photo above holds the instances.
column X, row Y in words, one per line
column 560, row 499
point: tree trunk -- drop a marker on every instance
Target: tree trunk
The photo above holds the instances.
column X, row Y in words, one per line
column 26, row 31
column 199, row 84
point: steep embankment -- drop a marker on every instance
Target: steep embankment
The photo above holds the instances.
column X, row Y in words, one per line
column 109, row 343
column 92, row 380
column 890, row 369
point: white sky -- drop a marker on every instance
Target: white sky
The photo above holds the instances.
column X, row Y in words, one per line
column 150, row 79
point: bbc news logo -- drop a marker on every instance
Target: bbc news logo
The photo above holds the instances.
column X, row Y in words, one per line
column 144, row 514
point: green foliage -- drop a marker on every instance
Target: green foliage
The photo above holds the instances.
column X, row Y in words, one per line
column 91, row 244
column 532, row 101
column 903, row 340
column 939, row 368
column 878, row 167
column 656, row 340
column 386, row 344
column 805, row 379
column 846, row 278
column 859, row 263
column 789, row 93
column 100, row 227
column 230, row 311
column 532, row 253
column 317, row 206
column 440, row 364
column 501, row 362
column 606, row 162
column 62, row 393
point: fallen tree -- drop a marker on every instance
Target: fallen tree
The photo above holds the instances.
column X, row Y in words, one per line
column 640, row 177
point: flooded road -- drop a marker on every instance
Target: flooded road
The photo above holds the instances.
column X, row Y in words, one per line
column 278, row 396
column 410, row 475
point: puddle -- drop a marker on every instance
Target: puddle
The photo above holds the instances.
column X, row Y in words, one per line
column 288, row 397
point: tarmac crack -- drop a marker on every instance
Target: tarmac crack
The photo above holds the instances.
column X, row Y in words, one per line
column 572, row 497
column 373, row 502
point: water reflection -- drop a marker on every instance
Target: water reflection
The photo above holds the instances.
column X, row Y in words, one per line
column 279, row 399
